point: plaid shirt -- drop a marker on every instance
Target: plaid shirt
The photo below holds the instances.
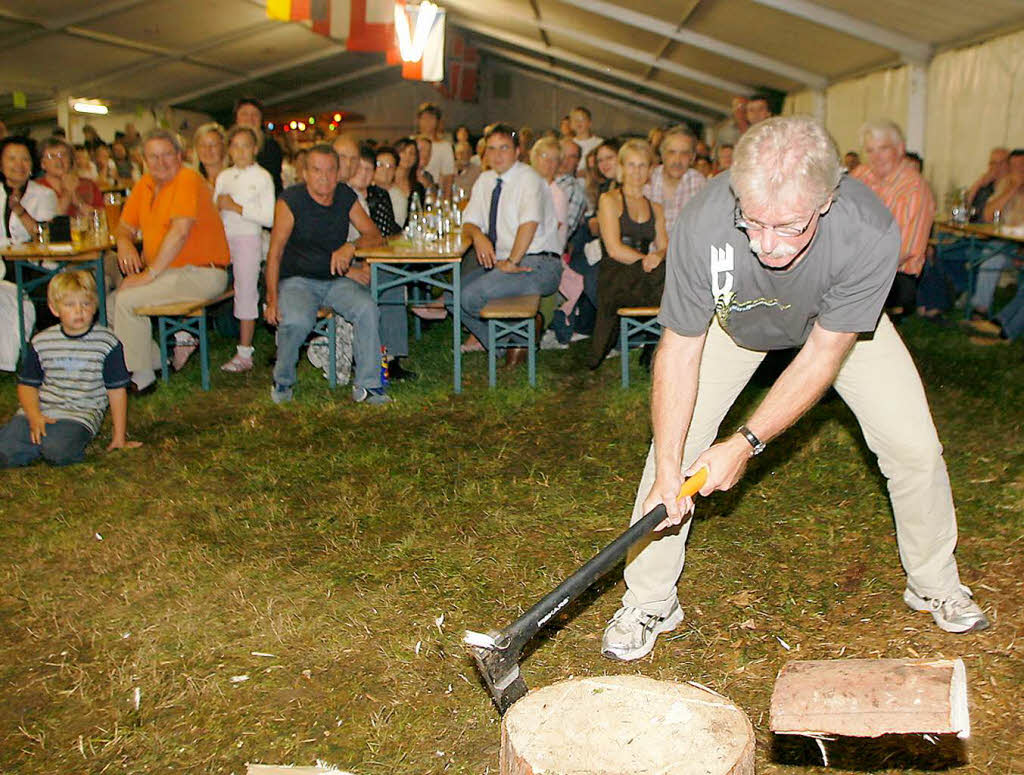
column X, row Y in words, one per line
column 577, row 196
column 691, row 182
column 911, row 203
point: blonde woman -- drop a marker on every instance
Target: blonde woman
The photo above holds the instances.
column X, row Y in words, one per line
column 633, row 243
column 211, row 149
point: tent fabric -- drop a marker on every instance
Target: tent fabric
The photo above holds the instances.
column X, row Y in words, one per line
column 974, row 105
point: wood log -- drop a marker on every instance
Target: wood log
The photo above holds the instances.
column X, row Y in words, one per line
column 871, row 697
column 625, row 724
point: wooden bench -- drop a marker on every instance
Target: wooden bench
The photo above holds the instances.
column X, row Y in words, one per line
column 638, row 326
column 510, row 323
column 186, row 316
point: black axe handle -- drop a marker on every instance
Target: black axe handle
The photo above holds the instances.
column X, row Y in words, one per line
column 521, row 631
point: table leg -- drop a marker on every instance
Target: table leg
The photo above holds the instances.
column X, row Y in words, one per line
column 457, row 324
column 19, row 279
column 101, row 289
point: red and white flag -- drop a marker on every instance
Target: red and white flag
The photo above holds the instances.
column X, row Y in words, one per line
column 419, row 41
column 461, row 76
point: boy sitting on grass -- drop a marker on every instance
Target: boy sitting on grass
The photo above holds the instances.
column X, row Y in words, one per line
column 68, row 375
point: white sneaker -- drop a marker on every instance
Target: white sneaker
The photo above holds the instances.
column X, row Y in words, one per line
column 550, row 342
column 631, row 633
column 958, row 613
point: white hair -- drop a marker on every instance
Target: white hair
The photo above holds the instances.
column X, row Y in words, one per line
column 789, row 158
column 883, row 127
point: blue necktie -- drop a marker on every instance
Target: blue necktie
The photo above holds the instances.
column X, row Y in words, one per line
column 492, row 221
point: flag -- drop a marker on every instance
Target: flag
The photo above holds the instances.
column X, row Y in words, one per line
column 290, row 10
column 461, row 70
column 371, row 25
column 415, row 38
column 320, row 15
column 279, row 9
column 364, row 25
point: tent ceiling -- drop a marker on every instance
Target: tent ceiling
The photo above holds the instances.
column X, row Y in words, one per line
column 688, row 55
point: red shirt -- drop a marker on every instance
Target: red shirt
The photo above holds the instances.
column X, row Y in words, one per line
column 87, row 191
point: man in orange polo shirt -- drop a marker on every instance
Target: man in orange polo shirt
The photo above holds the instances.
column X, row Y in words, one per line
column 184, row 252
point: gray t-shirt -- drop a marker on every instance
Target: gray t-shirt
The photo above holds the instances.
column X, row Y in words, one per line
column 841, row 282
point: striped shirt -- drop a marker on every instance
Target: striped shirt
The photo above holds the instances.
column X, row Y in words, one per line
column 74, row 373
column 576, row 194
column 908, row 198
column 691, row 183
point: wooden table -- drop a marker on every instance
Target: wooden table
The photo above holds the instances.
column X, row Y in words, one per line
column 401, row 262
column 33, row 268
column 984, row 242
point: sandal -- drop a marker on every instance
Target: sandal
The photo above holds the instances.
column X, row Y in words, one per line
column 237, row 365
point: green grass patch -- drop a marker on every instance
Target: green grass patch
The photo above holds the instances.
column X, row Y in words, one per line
column 272, row 579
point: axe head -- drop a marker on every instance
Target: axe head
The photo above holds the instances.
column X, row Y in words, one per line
column 499, row 669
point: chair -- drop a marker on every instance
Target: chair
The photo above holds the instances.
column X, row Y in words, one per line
column 511, row 323
column 638, row 326
column 186, row 316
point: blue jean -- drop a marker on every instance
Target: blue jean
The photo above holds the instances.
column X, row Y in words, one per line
column 482, row 285
column 394, row 324
column 1011, row 317
column 988, row 274
column 64, row 443
column 299, row 299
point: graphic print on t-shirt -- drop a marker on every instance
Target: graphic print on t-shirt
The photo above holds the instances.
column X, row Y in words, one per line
column 722, row 266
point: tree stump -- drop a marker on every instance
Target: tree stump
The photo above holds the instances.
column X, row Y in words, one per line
column 625, row 724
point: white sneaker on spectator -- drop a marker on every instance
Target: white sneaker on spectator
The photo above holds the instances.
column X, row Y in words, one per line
column 550, row 342
column 956, row 613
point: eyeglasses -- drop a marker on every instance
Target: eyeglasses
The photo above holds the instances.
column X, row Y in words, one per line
column 56, row 155
column 385, row 164
column 749, row 224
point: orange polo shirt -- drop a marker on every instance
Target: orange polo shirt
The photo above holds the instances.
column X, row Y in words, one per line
column 187, row 196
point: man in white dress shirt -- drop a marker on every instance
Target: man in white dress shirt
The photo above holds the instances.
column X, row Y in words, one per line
column 511, row 220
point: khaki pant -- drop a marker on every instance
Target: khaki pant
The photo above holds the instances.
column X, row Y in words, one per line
column 135, row 331
column 879, row 382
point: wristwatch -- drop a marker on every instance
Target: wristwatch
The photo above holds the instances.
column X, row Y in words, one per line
column 752, row 440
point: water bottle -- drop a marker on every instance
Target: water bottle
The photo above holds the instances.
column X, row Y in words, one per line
column 383, row 366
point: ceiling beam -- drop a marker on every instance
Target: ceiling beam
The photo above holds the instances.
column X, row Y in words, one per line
column 529, row 72
column 266, row 25
column 667, row 45
column 471, row 8
column 911, row 49
column 46, row 27
column 329, row 83
column 695, row 39
column 255, row 75
column 630, row 95
column 591, row 64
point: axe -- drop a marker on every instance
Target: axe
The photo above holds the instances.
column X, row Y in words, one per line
column 497, row 653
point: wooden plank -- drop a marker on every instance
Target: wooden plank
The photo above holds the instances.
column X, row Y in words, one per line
column 639, row 312
column 179, row 308
column 512, row 307
column 871, row 697
column 284, row 769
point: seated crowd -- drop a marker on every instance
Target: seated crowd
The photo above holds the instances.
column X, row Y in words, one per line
column 580, row 220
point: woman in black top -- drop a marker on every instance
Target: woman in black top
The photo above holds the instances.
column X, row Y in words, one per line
column 633, row 245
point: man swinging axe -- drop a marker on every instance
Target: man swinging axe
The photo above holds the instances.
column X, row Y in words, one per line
column 784, row 251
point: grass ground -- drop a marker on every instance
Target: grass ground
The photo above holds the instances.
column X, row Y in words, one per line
column 287, row 584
